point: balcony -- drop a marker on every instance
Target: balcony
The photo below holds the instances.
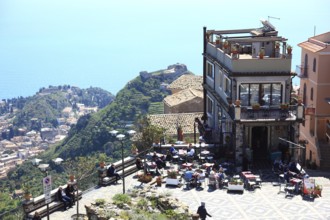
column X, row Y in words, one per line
column 246, row 63
column 302, row 71
column 267, row 114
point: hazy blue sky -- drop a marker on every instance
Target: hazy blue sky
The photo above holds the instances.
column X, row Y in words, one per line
column 105, row 43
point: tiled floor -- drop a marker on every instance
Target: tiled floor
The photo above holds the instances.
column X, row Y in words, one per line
column 264, row 203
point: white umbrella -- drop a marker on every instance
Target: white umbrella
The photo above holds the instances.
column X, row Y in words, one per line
column 36, row 161
column 43, row 167
column 57, row 160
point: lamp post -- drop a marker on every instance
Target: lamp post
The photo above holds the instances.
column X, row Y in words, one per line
column 121, row 138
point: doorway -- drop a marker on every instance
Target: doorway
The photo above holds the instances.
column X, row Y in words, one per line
column 259, row 143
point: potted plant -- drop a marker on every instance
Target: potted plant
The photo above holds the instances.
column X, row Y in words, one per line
column 318, row 190
column 172, row 177
column 277, row 45
column 256, row 106
column 217, row 40
column 284, row 106
column 289, row 49
column 225, row 44
column 261, row 53
column 236, row 184
column 145, row 178
column 27, row 191
column 159, row 181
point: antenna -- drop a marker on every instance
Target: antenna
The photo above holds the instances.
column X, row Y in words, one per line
column 273, row 18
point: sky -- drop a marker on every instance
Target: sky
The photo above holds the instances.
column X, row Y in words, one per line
column 105, row 43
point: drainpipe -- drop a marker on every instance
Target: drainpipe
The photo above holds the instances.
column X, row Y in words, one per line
column 204, row 68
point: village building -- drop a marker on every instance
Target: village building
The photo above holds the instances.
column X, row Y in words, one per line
column 314, row 90
column 252, row 66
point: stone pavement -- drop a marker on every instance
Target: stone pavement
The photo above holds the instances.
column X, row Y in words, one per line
column 265, row 203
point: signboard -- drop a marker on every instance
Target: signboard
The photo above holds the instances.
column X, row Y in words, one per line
column 309, row 111
column 47, row 183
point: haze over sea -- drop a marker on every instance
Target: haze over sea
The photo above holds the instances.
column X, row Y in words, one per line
column 105, row 43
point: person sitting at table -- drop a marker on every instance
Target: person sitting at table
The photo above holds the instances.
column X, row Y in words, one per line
column 188, row 174
column 154, row 156
column 169, row 156
column 200, row 178
column 191, row 152
column 112, row 172
column 213, row 177
column 138, row 163
column 160, row 164
column 172, row 150
column 221, row 178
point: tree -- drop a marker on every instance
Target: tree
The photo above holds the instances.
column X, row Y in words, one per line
column 149, row 135
column 81, row 168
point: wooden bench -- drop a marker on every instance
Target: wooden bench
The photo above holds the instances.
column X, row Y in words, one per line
column 130, row 168
column 39, row 204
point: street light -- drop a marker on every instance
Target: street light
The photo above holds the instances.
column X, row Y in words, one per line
column 121, row 137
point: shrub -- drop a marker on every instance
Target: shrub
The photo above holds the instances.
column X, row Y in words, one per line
column 121, row 199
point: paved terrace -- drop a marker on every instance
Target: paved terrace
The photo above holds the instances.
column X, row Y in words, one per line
column 265, row 203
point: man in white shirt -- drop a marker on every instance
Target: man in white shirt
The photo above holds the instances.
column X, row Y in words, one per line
column 191, row 153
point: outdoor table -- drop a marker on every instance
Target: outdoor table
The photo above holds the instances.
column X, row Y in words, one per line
column 250, row 177
column 207, row 165
column 205, row 152
column 182, row 152
column 152, row 165
column 186, row 165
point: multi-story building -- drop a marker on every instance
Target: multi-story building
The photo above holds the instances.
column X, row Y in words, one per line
column 314, row 73
column 252, row 66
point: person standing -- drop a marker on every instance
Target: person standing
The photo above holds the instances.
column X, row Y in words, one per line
column 202, row 211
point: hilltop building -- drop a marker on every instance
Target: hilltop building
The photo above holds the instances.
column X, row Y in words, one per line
column 315, row 87
column 187, row 95
column 252, row 66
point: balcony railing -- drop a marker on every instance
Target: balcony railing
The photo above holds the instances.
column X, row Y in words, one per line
column 246, row 63
column 267, row 114
column 302, row 71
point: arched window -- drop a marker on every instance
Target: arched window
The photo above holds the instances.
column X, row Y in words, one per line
column 314, row 65
column 312, row 93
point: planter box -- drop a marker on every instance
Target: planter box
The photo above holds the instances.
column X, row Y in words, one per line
column 170, row 181
column 236, row 187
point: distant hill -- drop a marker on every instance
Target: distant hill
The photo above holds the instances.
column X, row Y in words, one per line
column 46, row 106
column 140, row 96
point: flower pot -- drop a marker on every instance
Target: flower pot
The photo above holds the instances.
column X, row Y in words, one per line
column 170, row 181
column 289, row 50
column 238, row 102
column 27, row 196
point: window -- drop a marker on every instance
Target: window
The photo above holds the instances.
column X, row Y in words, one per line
column 262, row 93
column 312, row 94
column 226, row 85
column 209, row 105
column 209, row 69
column 221, row 78
column 314, row 65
